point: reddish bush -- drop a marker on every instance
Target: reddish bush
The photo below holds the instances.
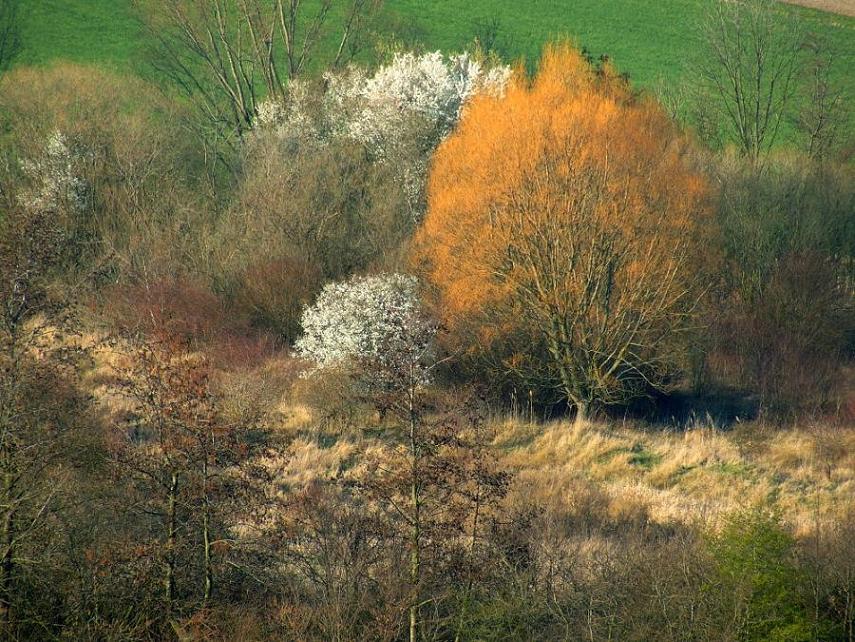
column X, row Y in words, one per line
column 189, row 311
column 172, row 305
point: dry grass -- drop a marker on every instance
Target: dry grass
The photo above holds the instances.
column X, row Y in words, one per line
column 691, row 477
column 844, row 7
column 616, row 472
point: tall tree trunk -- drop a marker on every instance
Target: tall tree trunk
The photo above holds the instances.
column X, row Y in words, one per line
column 171, row 532
column 415, row 535
column 7, row 542
column 206, row 534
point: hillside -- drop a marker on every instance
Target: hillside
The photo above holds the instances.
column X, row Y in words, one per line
column 512, row 329
column 622, row 471
column 644, row 37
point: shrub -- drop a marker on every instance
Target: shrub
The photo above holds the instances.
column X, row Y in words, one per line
column 272, row 294
column 758, row 575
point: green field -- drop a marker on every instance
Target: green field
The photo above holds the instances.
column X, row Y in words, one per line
column 89, row 31
column 649, row 39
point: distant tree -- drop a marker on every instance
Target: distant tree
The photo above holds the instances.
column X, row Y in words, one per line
column 748, row 70
column 782, row 310
column 559, row 234
column 10, row 32
column 824, row 107
column 228, row 54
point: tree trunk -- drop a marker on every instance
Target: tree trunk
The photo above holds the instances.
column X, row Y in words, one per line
column 7, row 566
column 461, row 620
column 171, row 531
column 415, row 543
column 581, row 412
column 206, row 535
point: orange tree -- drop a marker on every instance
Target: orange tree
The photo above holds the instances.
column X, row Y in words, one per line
column 562, row 227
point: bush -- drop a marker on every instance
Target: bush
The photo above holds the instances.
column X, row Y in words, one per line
column 757, row 573
column 272, row 294
column 330, row 210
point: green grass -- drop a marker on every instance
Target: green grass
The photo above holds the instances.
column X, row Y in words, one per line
column 106, row 32
column 651, row 40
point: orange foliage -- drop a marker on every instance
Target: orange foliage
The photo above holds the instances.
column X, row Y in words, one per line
column 565, row 210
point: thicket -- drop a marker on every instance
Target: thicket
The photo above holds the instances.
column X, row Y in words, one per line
column 405, row 249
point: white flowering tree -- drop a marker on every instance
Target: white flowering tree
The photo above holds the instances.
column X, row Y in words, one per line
column 428, row 86
column 373, row 109
column 55, row 178
column 377, row 324
column 400, row 113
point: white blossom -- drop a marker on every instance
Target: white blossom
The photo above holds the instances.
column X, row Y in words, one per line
column 426, row 86
column 290, row 122
column 54, row 177
column 376, row 322
column 399, row 114
column 495, row 82
column 270, row 113
column 374, row 109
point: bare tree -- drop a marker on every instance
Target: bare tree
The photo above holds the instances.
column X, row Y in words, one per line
column 748, row 71
column 824, row 114
column 228, row 54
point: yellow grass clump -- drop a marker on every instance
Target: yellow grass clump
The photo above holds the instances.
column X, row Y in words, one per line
column 697, row 476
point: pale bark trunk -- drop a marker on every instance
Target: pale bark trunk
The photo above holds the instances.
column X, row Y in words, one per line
column 471, row 580
column 171, row 533
column 415, row 543
column 581, row 413
column 206, row 536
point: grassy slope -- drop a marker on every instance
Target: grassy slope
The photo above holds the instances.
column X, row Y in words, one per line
column 87, row 31
column 693, row 477
column 648, row 38
column 619, row 471
column 697, row 477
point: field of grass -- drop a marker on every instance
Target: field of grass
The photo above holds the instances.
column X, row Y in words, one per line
column 105, row 32
column 649, row 39
column 699, row 476
column 695, row 476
